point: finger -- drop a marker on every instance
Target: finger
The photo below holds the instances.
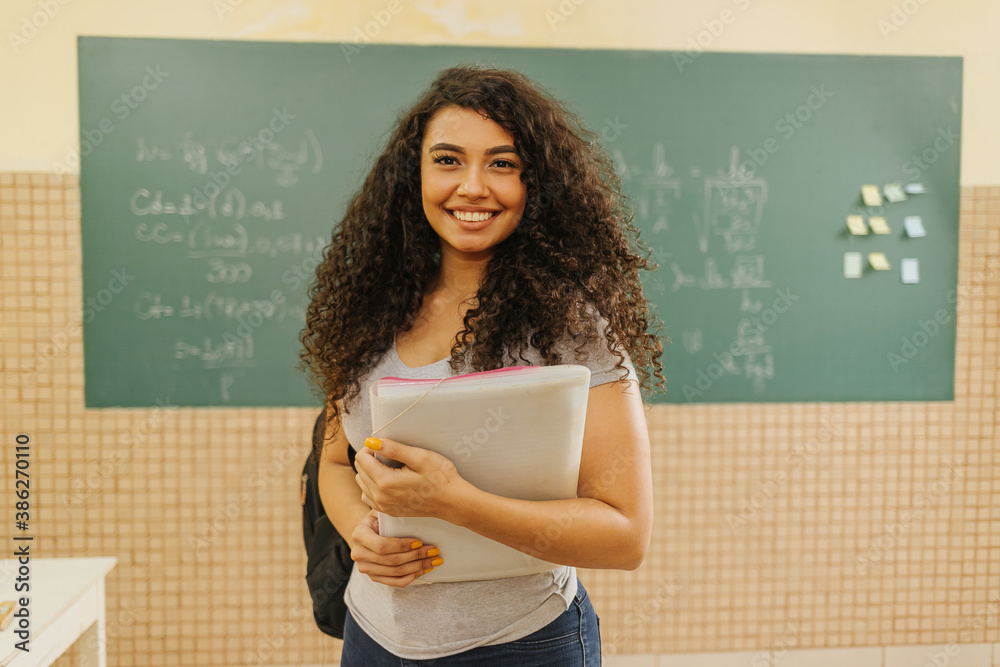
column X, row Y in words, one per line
column 361, row 482
column 397, row 451
column 367, row 528
column 398, row 582
column 426, row 555
column 366, row 459
column 366, row 497
column 375, row 568
column 371, row 503
column 368, row 564
column 402, row 549
column 364, row 478
column 367, row 481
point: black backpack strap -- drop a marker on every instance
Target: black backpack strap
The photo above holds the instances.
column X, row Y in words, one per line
column 351, row 455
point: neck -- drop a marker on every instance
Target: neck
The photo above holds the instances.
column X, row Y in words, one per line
column 461, row 273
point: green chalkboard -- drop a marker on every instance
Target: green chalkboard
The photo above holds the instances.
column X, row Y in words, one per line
column 212, row 174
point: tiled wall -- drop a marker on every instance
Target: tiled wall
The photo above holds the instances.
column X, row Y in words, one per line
column 210, row 574
column 927, row 655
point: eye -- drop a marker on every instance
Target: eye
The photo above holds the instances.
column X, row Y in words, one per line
column 441, row 159
column 504, row 163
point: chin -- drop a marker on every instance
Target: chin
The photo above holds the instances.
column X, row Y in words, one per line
column 475, row 249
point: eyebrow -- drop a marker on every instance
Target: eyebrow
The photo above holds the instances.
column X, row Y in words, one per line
column 458, row 149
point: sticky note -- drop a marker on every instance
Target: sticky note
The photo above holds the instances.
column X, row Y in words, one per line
column 852, row 265
column 915, row 188
column 893, row 192
column 856, row 225
column 878, row 225
column 910, row 271
column 914, row 226
column 878, row 261
column 870, row 195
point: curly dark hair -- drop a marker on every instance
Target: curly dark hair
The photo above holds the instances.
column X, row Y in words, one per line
column 569, row 253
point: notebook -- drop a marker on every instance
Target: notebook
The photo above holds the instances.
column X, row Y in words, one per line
column 514, row 432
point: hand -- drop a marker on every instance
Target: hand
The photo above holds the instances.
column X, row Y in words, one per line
column 390, row 560
column 427, row 484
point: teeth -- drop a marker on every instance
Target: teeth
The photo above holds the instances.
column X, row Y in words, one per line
column 470, row 216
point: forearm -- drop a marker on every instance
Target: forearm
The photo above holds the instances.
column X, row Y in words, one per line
column 341, row 498
column 582, row 532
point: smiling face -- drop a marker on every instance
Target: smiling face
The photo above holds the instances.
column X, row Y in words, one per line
column 470, row 176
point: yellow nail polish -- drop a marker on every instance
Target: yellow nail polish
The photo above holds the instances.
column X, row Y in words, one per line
column 373, row 443
column 428, row 570
column 416, row 544
column 437, row 561
column 434, row 552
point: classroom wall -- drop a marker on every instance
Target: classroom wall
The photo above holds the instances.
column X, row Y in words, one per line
column 882, row 529
column 41, row 113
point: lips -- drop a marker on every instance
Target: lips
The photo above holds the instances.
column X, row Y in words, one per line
column 473, row 225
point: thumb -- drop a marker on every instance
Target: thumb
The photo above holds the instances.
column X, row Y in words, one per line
column 397, row 452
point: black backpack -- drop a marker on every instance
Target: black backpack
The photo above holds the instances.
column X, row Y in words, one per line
column 329, row 566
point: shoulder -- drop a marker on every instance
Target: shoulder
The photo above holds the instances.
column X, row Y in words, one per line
column 579, row 345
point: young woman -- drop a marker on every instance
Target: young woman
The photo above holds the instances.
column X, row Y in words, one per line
column 491, row 232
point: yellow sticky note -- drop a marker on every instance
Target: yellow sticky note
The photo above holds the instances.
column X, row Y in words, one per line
column 878, row 225
column 856, row 225
column 870, row 195
column 894, row 192
column 878, row 261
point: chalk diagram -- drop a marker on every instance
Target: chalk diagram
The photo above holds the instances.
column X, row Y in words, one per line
column 729, row 220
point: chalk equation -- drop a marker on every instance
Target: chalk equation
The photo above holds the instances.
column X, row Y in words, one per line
column 747, row 271
column 722, row 214
column 228, row 240
column 734, row 206
column 221, row 236
column 213, row 306
column 232, row 352
column 227, row 203
column 231, row 154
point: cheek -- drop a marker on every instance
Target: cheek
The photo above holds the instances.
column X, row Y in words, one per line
column 433, row 192
column 518, row 197
column 511, row 194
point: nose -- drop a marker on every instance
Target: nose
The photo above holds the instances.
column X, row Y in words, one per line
column 473, row 185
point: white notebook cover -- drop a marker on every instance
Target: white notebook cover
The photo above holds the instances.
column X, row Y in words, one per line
column 514, row 432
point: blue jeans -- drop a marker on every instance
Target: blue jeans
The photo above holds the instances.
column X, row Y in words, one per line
column 572, row 640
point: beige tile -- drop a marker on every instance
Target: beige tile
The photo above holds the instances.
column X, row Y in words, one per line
column 734, row 659
column 831, row 657
column 945, row 655
column 632, row 660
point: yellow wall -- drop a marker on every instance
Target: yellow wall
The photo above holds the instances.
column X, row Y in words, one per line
column 38, row 120
column 208, row 577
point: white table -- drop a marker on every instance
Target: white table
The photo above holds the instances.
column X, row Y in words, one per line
column 66, row 603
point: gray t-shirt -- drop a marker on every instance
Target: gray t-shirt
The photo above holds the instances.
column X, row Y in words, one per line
column 426, row 621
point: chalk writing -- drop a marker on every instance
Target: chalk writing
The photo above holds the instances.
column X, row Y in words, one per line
column 154, row 306
column 285, row 160
column 231, row 353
